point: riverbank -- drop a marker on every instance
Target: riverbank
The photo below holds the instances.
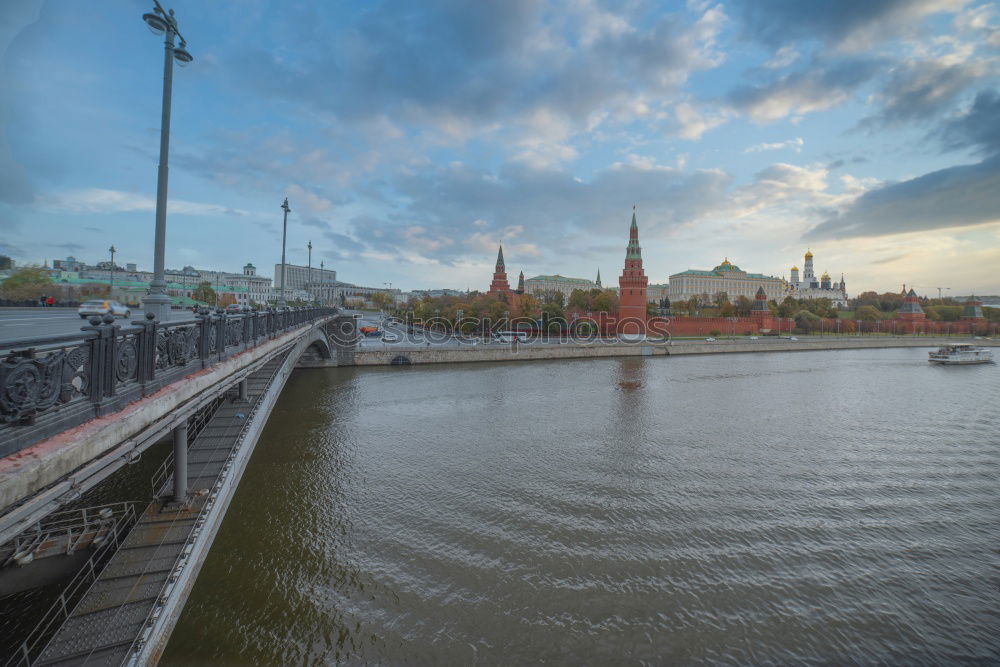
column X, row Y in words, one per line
column 407, row 355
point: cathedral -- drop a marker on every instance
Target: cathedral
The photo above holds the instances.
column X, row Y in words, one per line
column 811, row 288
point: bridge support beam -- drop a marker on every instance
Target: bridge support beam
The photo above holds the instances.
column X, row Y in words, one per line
column 180, row 463
column 244, row 391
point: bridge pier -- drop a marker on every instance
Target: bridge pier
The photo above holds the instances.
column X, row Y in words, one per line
column 180, row 463
column 244, row 393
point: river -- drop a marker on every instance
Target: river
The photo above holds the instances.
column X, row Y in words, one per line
column 825, row 507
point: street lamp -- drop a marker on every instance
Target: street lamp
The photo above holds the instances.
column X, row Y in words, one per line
column 161, row 22
column 309, row 269
column 111, row 279
column 284, row 235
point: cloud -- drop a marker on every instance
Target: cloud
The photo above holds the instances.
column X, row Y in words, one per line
column 453, row 211
column 848, row 25
column 693, row 123
column 97, row 200
column 978, row 127
column 814, row 88
column 462, row 70
column 954, row 197
column 919, row 90
column 783, row 57
column 794, row 144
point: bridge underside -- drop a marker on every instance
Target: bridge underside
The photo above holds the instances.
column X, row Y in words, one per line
column 107, row 624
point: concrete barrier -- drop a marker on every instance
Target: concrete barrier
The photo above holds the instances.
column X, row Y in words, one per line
column 401, row 355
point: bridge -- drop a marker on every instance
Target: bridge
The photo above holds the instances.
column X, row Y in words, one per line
column 77, row 408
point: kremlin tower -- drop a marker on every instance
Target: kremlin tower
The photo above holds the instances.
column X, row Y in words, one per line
column 500, row 284
column 632, row 287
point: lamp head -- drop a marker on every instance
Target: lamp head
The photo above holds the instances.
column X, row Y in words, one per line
column 182, row 56
column 156, row 25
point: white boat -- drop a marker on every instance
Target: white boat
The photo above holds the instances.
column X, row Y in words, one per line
column 961, row 354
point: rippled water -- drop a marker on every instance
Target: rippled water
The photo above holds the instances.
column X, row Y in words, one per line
column 785, row 507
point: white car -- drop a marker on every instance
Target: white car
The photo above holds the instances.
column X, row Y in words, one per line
column 389, row 337
column 711, row 339
column 753, row 337
column 792, row 338
column 100, row 307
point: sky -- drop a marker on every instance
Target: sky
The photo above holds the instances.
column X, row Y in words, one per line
column 411, row 138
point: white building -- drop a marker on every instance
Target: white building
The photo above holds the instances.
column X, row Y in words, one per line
column 728, row 278
column 258, row 288
column 809, row 287
column 297, row 277
column 557, row 283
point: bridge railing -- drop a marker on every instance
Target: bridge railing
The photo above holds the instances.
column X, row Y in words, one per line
column 53, row 383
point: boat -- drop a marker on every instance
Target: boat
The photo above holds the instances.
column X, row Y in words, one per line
column 961, row 354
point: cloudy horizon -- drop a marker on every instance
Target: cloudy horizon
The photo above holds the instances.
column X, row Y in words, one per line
column 411, row 139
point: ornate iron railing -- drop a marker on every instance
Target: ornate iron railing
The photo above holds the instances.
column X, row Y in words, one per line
column 50, row 384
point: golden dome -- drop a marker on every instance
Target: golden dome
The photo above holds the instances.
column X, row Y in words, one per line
column 795, row 268
column 809, row 254
column 826, row 276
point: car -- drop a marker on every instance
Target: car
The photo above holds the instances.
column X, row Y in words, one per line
column 237, row 308
column 753, row 337
column 792, row 338
column 100, row 307
column 390, row 337
column 711, row 339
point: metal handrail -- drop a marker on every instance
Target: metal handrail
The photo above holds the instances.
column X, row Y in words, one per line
column 36, row 641
column 67, row 523
column 178, row 563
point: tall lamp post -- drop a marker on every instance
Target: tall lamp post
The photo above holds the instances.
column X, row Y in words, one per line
column 309, row 269
column 284, row 235
column 162, row 22
column 111, row 278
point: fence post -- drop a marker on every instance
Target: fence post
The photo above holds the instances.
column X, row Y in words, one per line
column 147, row 352
column 204, row 322
column 220, row 334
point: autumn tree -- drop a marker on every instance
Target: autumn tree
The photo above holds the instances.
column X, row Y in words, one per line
column 204, row 293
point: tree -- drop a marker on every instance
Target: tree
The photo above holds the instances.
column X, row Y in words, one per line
column 605, row 302
column 579, row 299
column 868, row 314
column 552, row 296
column 204, row 293
column 743, row 306
column 806, row 320
column 381, row 300
column 27, row 283
column 28, row 276
column 226, row 299
column 720, row 298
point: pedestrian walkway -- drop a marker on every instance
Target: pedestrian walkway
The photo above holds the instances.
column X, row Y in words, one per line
column 103, row 628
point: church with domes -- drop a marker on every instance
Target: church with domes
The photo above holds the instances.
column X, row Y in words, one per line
column 811, row 287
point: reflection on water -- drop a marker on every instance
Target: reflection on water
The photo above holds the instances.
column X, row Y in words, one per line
column 812, row 506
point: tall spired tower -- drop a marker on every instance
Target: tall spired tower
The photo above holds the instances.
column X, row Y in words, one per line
column 500, row 283
column 632, row 286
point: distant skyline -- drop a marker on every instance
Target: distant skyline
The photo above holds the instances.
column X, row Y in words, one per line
column 412, row 138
